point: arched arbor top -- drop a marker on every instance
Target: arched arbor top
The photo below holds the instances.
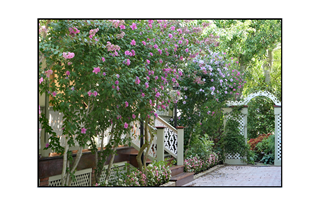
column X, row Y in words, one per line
column 253, row 95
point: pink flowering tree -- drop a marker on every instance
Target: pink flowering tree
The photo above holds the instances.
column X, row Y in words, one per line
column 103, row 74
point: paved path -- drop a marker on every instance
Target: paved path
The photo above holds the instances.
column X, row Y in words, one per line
column 240, row 176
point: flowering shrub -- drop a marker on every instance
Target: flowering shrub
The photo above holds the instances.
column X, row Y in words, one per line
column 196, row 164
column 157, row 173
column 253, row 142
column 208, row 82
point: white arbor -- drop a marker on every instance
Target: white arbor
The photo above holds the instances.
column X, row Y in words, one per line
column 236, row 159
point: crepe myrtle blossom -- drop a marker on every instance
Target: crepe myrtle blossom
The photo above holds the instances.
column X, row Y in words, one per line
column 184, row 102
column 69, row 63
column 133, row 116
column 142, row 94
column 96, row 70
column 127, row 62
column 157, row 94
column 48, row 72
column 147, row 85
column 143, row 42
column 54, row 93
column 68, row 55
column 148, row 61
column 67, row 73
column 83, row 130
column 125, row 125
column 116, row 82
column 133, row 26
column 151, row 54
column 133, row 42
column 122, row 26
column 137, row 81
column 40, row 80
column 170, row 36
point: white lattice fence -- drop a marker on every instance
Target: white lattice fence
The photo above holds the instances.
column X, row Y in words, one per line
column 120, row 166
column 241, row 119
column 279, row 137
column 83, row 178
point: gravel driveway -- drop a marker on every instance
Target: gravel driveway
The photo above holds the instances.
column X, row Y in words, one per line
column 241, row 176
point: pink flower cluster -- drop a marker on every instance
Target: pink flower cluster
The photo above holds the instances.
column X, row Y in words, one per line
column 68, row 55
column 116, row 23
column 95, row 93
column 48, row 72
column 73, row 31
column 112, row 47
column 132, row 53
column 196, row 164
column 93, row 32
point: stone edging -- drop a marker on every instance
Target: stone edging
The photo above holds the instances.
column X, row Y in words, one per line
column 168, row 184
column 208, row 171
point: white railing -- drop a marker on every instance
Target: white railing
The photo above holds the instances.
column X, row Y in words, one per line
column 170, row 136
column 163, row 112
column 135, row 139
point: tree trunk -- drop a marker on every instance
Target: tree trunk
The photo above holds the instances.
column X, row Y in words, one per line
column 64, row 165
column 267, row 66
column 111, row 162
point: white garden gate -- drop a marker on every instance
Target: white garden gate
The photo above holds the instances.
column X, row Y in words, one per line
column 236, row 159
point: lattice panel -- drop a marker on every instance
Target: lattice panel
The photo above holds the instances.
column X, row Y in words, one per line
column 170, row 136
column 279, row 137
column 239, row 119
column 83, row 178
column 122, row 169
column 235, row 156
column 170, row 140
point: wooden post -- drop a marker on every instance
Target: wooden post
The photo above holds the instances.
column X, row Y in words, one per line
column 160, row 143
column 180, row 145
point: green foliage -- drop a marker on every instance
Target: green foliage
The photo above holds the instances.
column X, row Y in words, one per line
column 260, row 117
column 232, row 141
column 201, row 146
column 265, row 150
